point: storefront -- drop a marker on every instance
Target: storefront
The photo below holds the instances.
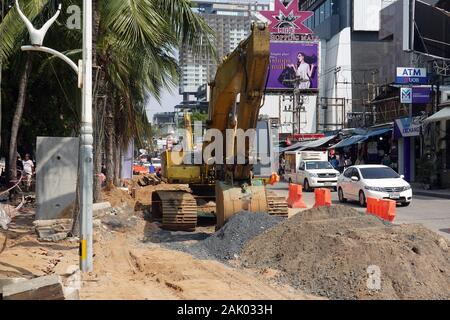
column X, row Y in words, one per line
column 407, row 138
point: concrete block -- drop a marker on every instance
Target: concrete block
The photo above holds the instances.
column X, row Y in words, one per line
column 56, row 175
column 101, row 206
column 42, row 288
column 8, row 281
column 71, row 294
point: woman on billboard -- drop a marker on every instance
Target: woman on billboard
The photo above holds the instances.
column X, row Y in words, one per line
column 304, row 71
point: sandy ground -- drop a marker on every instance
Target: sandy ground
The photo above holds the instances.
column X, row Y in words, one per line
column 126, row 267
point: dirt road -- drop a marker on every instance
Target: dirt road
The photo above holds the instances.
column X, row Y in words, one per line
column 126, row 267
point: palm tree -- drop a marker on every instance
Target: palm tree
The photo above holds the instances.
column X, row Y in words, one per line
column 13, row 33
column 134, row 46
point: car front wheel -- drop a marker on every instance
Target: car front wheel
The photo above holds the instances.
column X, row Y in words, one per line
column 362, row 199
column 306, row 185
column 341, row 196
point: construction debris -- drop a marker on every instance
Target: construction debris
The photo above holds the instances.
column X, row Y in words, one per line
column 4, row 218
column 148, row 180
column 52, row 230
column 42, row 288
column 339, row 253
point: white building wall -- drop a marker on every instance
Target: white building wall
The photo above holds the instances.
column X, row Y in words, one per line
column 336, row 53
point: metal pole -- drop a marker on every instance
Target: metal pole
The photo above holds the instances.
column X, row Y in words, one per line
column 86, row 144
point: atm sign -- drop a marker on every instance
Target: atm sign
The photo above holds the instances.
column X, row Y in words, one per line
column 412, row 76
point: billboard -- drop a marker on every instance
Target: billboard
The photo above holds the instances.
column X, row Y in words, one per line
column 293, row 64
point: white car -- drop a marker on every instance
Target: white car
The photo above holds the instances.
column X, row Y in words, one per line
column 315, row 174
column 374, row 181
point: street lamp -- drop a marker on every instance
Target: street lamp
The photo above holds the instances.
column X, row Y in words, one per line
column 84, row 72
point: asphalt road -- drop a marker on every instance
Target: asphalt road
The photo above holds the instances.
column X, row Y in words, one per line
column 433, row 213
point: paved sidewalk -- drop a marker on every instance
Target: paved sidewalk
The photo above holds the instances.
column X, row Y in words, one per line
column 438, row 193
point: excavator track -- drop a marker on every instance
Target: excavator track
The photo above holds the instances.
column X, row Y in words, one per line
column 276, row 205
column 176, row 209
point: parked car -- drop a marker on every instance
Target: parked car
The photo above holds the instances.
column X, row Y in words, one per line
column 375, row 181
column 310, row 169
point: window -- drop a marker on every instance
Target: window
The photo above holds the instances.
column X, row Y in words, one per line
column 348, row 173
column 322, row 13
column 316, row 18
column 379, row 173
column 318, row 165
column 302, row 166
column 327, row 9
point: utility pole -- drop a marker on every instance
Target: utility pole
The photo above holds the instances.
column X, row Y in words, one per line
column 84, row 72
column 86, row 144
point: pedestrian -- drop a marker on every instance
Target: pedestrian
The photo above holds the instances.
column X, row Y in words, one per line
column 347, row 162
column 28, row 171
column 334, row 162
column 386, row 160
column 19, row 164
column 341, row 163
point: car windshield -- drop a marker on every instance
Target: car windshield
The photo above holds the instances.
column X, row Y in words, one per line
column 379, row 173
column 157, row 161
column 314, row 165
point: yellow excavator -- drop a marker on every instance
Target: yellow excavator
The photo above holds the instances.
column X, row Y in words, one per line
column 236, row 95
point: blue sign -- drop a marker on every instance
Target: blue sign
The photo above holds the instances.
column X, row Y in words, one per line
column 415, row 95
column 411, row 76
column 406, row 95
column 406, row 128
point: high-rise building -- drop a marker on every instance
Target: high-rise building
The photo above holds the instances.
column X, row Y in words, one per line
column 230, row 20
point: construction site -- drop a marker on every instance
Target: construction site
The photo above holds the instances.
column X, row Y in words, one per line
column 317, row 253
column 219, row 222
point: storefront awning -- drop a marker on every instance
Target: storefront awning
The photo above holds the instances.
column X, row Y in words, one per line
column 348, row 142
column 318, row 143
column 360, row 138
column 295, row 146
column 444, row 114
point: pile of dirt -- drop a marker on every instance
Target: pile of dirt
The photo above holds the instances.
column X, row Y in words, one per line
column 117, row 197
column 225, row 244
column 339, row 253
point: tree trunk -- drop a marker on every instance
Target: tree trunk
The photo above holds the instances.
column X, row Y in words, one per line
column 97, row 106
column 117, row 162
column 99, row 123
column 17, row 119
column 109, row 142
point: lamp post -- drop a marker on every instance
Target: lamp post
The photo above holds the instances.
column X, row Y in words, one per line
column 84, row 72
column 86, row 144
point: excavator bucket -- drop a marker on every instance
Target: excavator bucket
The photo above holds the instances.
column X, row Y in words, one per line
column 231, row 200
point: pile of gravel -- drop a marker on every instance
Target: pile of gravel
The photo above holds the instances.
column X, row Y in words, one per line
column 225, row 244
column 339, row 253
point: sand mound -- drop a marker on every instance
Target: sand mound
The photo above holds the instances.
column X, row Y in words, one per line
column 332, row 251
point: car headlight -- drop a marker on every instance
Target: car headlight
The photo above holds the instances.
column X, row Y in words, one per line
column 314, row 175
column 407, row 188
column 374, row 188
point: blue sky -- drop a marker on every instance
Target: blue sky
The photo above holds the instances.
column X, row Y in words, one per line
column 169, row 99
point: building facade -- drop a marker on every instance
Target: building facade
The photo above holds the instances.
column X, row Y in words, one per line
column 230, row 20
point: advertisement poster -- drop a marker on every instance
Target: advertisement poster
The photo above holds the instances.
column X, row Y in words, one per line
column 293, row 64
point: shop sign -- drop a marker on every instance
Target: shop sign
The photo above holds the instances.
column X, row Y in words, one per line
column 412, row 76
column 406, row 128
column 415, row 95
column 406, row 95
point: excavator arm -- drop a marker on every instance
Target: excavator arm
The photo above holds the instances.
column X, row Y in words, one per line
column 236, row 95
column 237, row 91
